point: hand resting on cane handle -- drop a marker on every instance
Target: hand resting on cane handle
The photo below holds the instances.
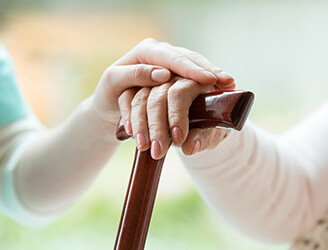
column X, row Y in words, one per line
column 156, row 111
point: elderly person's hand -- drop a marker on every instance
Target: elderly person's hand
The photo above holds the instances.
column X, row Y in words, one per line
column 155, row 112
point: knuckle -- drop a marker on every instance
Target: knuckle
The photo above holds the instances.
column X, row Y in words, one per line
column 147, row 42
column 125, row 95
column 176, row 108
column 137, row 125
column 108, row 74
column 157, row 130
column 139, row 99
column 175, row 118
column 157, row 96
column 206, row 138
column 189, row 72
column 154, row 127
column 177, row 59
column 194, row 54
column 136, row 103
column 174, row 92
column 150, row 40
column 179, row 89
column 136, row 72
column 153, row 105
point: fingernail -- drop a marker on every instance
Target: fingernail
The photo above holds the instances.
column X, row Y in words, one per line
column 211, row 76
column 160, row 75
column 128, row 127
column 141, row 141
column 223, row 75
column 196, row 147
column 225, row 80
column 226, row 75
column 177, row 135
column 155, row 149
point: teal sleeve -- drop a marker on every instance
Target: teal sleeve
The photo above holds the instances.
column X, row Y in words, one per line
column 12, row 104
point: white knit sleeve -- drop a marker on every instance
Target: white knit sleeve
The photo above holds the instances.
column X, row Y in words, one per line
column 15, row 137
column 271, row 188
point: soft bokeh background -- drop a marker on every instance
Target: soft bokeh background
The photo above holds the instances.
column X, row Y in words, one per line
column 278, row 49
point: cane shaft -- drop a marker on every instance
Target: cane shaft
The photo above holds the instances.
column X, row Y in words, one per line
column 139, row 202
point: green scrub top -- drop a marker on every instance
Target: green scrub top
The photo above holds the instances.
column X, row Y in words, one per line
column 12, row 104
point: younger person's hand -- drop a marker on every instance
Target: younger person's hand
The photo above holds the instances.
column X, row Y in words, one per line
column 150, row 64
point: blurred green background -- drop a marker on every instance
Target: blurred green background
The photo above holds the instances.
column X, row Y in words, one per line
column 275, row 48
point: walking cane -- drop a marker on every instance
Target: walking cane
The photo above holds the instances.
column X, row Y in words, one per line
column 218, row 109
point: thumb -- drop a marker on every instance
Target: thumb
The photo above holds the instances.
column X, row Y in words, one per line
column 200, row 139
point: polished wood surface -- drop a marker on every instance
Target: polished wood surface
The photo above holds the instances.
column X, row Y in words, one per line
column 221, row 109
column 224, row 109
column 139, row 201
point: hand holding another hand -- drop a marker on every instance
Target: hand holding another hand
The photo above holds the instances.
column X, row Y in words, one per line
column 150, row 64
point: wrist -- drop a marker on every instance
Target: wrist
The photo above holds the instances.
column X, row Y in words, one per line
column 103, row 123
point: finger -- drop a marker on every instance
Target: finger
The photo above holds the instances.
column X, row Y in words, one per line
column 121, row 77
column 157, row 120
column 225, row 80
column 124, row 103
column 180, row 97
column 200, row 139
column 139, row 118
column 152, row 52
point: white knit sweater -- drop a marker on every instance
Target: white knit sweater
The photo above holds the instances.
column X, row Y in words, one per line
column 271, row 188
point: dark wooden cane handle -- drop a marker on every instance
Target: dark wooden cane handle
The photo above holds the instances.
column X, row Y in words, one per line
column 228, row 109
column 223, row 109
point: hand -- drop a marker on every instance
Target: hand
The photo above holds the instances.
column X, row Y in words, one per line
column 154, row 112
column 150, row 64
